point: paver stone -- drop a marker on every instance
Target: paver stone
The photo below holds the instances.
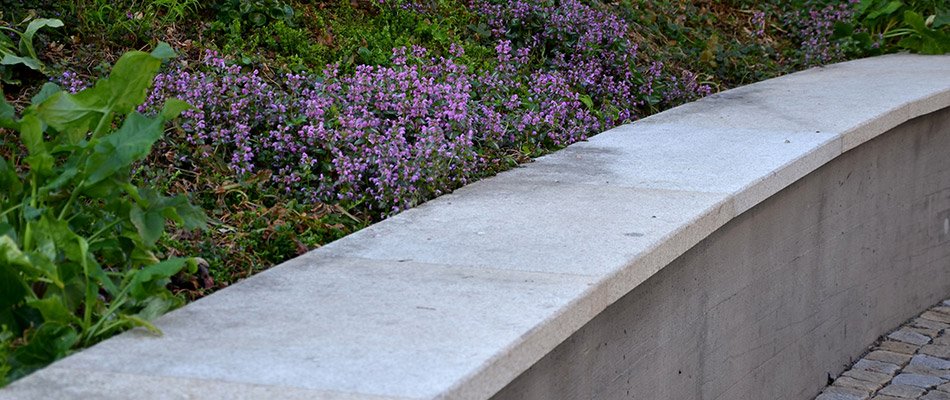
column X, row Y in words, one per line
column 922, row 381
column 936, row 395
column 930, row 361
column 908, row 336
column 936, row 350
column 905, row 391
column 868, row 376
column 899, row 347
column 847, row 381
column 888, row 357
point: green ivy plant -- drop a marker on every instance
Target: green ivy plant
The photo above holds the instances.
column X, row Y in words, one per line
column 22, row 53
column 78, row 257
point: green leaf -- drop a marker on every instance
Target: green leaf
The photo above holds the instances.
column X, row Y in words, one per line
column 130, row 79
column 6, row 44
column 12, row 288
column 53, row 309
column 124, row 89
column 915, row 20
column 587, row 101
column 47, row 91
column 75, row 112
column 64, row 178
column 10, row 59
column 50, row 342
column 26, row 41
column 153, row 278
column 149, row 223
column 173, row 108
column 7, row 113
column 941, row 19
column 10, row 184
column 10, row 253
column 842, row 30
column 132, row 142
column 31, row 134
column 163, row 51
column 887, row 10
column 155, row 306
column 141, row 322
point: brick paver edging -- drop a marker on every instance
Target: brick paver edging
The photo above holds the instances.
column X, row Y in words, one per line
column 912, row 362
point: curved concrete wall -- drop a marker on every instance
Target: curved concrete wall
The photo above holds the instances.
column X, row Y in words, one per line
column 784, row 295
column 655, row 258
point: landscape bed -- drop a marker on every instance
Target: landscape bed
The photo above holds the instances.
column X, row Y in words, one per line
column 285, row 158
column 831, row 232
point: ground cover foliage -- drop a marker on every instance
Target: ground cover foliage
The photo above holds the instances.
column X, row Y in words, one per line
column 282, row 125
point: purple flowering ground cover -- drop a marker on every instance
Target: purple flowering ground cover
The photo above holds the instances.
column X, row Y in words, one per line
column 388, row 137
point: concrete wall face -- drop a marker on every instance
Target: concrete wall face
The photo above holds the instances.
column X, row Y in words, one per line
column 782, row 296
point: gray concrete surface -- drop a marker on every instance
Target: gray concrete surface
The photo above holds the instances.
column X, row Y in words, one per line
column 784, row 295
column 458, row 297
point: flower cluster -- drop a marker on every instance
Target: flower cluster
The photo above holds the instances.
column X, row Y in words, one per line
column 387, row 137
column 588, row 47
column 70, row 82
column 815, row 28
column 758, row 22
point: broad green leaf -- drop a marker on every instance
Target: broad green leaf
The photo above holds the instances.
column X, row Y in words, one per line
column 10, row 59
column 50, row 342
column 12, row 288
column 76, row 112
column 47, row 91
column 173, row 108
column 153, row 278
column 130, row 79
column 31, row 134
column 175, row 208
column 941, row 19
column 163, row 51
column 53, row 309
column 65, row 177
column 150, row 224
column 41, row 259
column 889, row 9
column 915, row 20
column 11, row 254
column 26, row 41
column 10, row 184
column 142, row 256
column 120, row 93
column 132, row 142
column 6, row 44
column 7, row 113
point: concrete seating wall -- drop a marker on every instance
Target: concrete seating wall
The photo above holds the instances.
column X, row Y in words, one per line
column 740, row 247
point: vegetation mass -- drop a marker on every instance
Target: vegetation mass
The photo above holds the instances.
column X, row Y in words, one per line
column 133, row 179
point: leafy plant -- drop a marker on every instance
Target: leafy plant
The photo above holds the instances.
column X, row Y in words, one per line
column 78, row 258
column 887, row 25
column 256, row 13
column 921, row 37
column 23, row 52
